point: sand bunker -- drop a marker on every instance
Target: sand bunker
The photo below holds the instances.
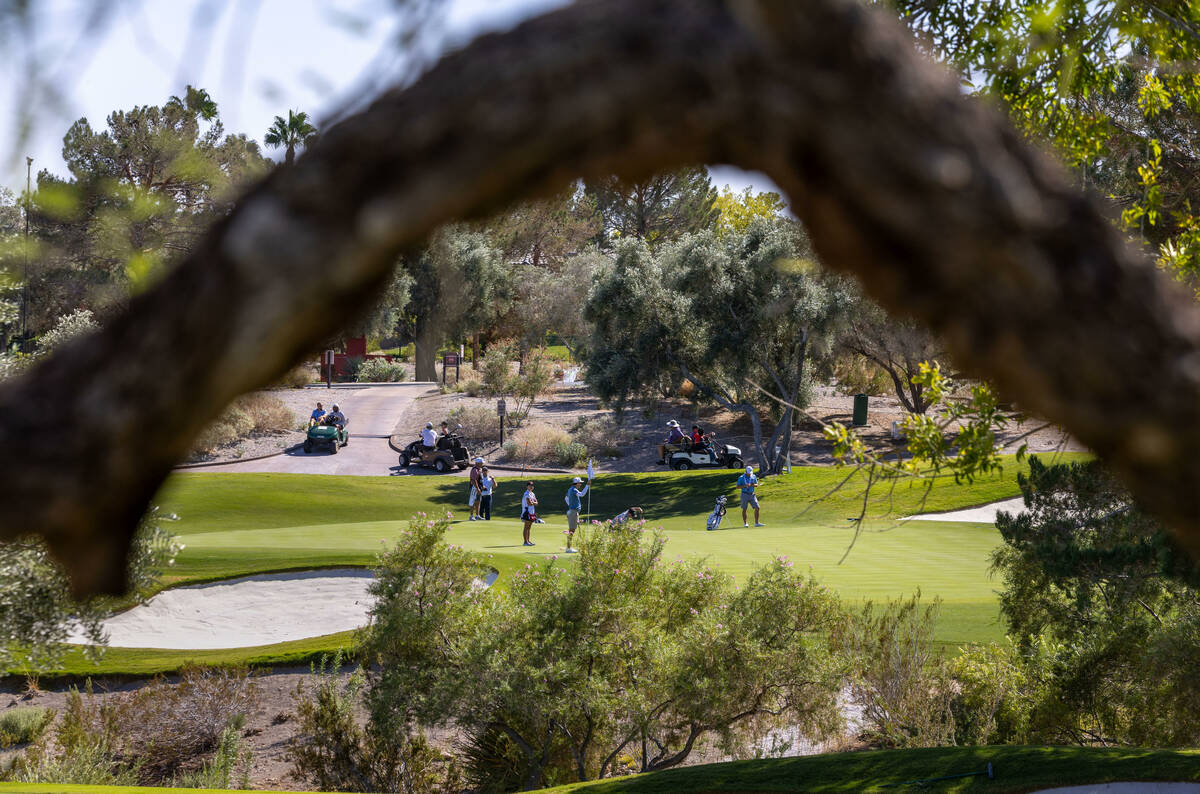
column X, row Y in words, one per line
column 253, row 610
column 986, row 514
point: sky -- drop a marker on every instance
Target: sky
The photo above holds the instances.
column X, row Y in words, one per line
column 257, row 58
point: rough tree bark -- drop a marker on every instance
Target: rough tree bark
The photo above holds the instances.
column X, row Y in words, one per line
column 930, row 198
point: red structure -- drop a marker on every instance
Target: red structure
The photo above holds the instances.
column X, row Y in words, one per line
column 355, row 348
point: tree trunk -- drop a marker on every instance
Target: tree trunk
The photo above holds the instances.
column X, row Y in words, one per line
column 475, row 350
column 425, row 351
column 1028, row 281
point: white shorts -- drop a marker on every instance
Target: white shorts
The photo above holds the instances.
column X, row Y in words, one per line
column 473, row 495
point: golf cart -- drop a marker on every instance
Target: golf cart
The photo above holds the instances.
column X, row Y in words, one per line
column 448, row 453
column 711, row 456
column 323, row 433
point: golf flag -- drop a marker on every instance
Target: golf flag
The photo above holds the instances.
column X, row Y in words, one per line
column 591, row 471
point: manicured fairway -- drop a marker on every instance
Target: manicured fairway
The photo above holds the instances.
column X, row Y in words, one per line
column 235, row 524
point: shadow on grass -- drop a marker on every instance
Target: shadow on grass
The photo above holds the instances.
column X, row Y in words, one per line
column 662, row 495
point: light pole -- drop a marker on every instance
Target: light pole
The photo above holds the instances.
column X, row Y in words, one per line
column 25, row 275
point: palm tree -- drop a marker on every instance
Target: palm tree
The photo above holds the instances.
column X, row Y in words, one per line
column 196, row 102
column 290, row 132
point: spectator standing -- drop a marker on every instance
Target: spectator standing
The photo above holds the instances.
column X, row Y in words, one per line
column 748, row 483
column 487, row 486
column 528, row 510
column 574, row 501
column 473, row 493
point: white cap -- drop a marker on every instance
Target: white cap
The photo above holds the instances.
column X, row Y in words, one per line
column 429, row 425
column 576, row 480
column 749, row 469
column 672, row 423
column 479, row 460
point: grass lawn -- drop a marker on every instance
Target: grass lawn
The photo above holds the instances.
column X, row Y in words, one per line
column 238, row 524
column 1016, row 769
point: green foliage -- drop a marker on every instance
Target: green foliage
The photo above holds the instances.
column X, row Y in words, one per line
column 139, row 194
column 571, row 455
column 23, row 724
column 232, row 758
column 899, row 677
column 657, row 210
column 1104, row 608
column 37, row 612
column 290, row 133
column 331, row 752
column 731, row 315
column 574, row 666
column 1111, row 85
column 738, row 210
column 380, row 370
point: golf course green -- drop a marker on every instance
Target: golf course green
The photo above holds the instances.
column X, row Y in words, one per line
column 238, row 524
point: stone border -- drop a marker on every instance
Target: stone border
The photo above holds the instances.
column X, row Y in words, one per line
column 292, row 448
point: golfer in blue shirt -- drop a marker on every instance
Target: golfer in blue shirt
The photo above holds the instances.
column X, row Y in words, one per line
column 747, row 483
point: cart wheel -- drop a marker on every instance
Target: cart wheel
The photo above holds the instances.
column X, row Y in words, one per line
column 307, row 447
column 682, row 465
column 440, row 465
column 335, row 446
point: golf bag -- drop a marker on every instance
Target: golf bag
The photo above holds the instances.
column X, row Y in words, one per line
column 714, row 518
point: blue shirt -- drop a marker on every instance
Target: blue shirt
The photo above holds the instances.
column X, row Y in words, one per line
column 318, row 413
column 573, row 494
column 746, row 483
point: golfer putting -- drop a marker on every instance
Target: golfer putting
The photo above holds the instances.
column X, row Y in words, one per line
column 748, row 483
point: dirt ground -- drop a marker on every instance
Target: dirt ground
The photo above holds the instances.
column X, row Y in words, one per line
column 273, row 724
column 644, row 428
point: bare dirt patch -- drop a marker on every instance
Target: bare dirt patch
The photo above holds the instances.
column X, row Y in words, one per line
column 643, row 428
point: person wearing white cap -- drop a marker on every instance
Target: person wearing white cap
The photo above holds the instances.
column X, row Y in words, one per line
column 747, row 483
column 674, row 440
column 574, row 504
column 473, row 500
column 428, row 437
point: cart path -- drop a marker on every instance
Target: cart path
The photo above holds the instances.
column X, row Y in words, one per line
column 372, row 415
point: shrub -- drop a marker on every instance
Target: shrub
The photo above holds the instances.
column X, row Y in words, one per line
column 535, row 443
column 479, row 422
column 570, row 454
column 332, row 753
column 148, row 736
column 299, row 376
column 602, row 436
column 901, row 681
column 380, row 370
column 496, row 372
column 353, row 363
column 267, row 413
column 23, row 725
column 67, row 327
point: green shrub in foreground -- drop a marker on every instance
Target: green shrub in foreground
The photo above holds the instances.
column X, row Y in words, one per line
column 24, row 724
column 560, row 677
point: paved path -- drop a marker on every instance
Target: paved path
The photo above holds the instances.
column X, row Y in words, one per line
column 373, row 416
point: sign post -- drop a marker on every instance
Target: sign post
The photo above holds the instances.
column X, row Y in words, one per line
column 450, row 360
column 328, row 369
column 501, row 410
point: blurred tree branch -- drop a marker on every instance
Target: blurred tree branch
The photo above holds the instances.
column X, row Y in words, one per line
column 930, row 198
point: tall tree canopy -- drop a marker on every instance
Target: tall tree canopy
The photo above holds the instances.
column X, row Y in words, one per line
column 140, row 193
column 730, row 314
column 657, row 209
